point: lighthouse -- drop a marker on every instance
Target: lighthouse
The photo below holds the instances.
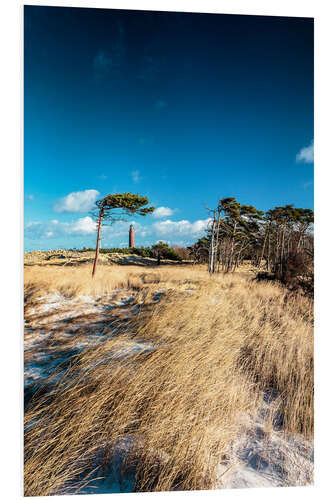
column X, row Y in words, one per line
column 131, row 236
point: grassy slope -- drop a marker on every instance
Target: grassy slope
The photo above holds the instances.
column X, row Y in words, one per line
column 219, row 344
column 72, row 258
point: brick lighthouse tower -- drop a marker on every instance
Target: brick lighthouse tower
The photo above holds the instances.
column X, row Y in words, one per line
column 131, row 236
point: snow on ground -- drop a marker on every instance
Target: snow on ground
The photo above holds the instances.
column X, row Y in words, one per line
column 64, row 308
column 110, row 480
column 58, row 328
column 263, row 456
column 259, row 458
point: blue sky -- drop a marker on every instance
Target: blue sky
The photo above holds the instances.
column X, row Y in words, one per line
column 181, row 108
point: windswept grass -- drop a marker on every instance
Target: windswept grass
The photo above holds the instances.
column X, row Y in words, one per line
column 210, row 349
column 74, row 281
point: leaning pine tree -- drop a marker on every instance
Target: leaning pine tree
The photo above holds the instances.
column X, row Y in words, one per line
column 113, row 208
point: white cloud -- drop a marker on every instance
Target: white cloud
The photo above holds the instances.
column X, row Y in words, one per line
column 162, row 241
column 86, row 225
column 183, row 227
column 80, row 227
column 306, row 154
column 78, row 201
column 65, row 233
column 181, row 243
column 161, row 212
column 135, row 176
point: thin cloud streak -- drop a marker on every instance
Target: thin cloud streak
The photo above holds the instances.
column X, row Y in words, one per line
column 135, row 176
column 306, row 154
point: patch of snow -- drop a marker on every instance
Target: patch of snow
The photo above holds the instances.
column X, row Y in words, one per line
column 87, row 298
column 32, row 339
column 51, row 298
column 111, row 479
column 42, row 367
column 127, row 299
column 64, row 339
column 132, row 348
column 31, row 374
column 262, row 458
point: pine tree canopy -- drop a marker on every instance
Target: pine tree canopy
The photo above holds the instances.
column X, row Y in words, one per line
column 127, row 203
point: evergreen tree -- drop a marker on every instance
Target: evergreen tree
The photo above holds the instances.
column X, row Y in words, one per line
column 282, row 237
column 113, row 208
column 162, row 250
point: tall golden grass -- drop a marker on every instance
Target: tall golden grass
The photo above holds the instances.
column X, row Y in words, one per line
column 73, row 281
column 218, row 345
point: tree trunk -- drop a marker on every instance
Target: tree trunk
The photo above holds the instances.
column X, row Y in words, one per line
column 98, row 242
column 268, row 261
column 212, row 248
column 263, row 248
column 232, row 247
column 217, row 240
column 282, row 251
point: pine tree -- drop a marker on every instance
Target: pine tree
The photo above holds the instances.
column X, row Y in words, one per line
column 113, row 208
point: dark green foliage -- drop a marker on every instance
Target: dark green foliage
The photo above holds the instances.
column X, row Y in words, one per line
column 231, row 232
column 171, row 254
column 166, row 251
column 141, row 251
column 113, row 208
column 162, row 250
column 117, row 204
column 199, row 251
column 281, row 239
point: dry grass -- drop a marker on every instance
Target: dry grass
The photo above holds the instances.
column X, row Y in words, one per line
column 214, row 345
column 73, row 281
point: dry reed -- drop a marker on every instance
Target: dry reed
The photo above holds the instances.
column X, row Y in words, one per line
column 211, row 348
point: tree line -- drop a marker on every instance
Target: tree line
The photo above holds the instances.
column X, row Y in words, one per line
column 160, row 248
column 278, row 240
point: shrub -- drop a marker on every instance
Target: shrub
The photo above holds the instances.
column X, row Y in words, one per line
column 162, row 250
column 296, row 270
column 184, row 253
